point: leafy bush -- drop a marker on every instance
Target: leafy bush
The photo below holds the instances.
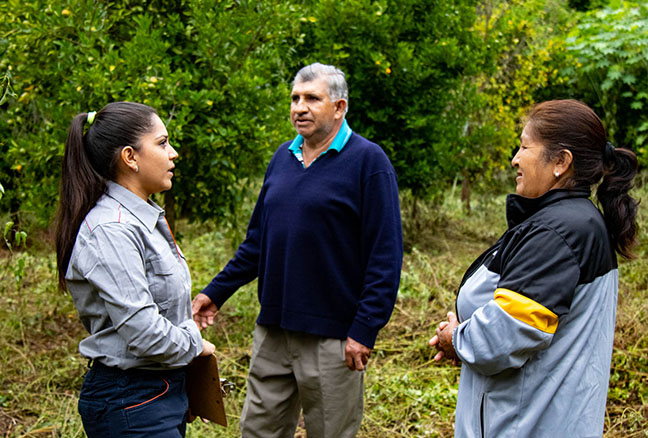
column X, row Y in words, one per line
column 216, row 86
column 610, row 45
column 441, row 86
column 407, row 63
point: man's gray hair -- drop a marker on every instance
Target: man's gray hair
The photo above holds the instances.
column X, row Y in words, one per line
column 334, row 77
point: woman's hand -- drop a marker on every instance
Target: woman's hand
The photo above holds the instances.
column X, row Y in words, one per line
column 434, row 342
column 191, row 417
column 443, row 339
column 208, row 348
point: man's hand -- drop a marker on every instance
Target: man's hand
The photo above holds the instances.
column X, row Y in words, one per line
column 356, row 355
column 443, row 339
column 203, row 310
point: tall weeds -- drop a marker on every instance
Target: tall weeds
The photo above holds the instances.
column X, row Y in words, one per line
column 407, row 394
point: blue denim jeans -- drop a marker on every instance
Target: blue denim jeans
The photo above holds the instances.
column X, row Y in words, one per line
column 133, row 403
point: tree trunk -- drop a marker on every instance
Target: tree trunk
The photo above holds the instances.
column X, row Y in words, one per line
column 414, row 214
column 465, row 190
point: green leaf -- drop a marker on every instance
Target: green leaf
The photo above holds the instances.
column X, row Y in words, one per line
column 607, row 84
column 7, row 229
column 21, row 238
column 614, row 73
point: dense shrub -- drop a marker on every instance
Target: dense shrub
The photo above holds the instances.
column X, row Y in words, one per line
column 214, row 70
column 441, row 86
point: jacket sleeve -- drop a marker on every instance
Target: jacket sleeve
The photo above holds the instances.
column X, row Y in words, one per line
column 539, row 274
column 244, row 266
column 114, row 266
column 382, row 246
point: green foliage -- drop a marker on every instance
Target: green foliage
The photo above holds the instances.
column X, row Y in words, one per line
column 441, row 86
column 212, row 69
column 586, row 5
column 407, row 63
column 19, row 239
column 610, row 45
column 523, row 57
column 6, row 92
column 5, row 88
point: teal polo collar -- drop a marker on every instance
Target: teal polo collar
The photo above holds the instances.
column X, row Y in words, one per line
column 340, row 140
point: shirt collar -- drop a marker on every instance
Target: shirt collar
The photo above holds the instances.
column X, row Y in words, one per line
column 340, row 140
column 147, row 213
column 519, row 208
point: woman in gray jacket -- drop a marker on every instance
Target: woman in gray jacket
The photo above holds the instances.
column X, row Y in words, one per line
column 128, row 278
column 535, row 313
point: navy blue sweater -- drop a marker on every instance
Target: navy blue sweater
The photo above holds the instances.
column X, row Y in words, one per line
column 325, row 242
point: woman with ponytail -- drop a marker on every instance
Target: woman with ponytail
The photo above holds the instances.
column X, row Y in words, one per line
column 129, row 280
column 535, row 313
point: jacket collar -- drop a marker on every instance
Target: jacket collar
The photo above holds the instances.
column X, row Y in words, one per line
column 519, row 208
column 147, row 213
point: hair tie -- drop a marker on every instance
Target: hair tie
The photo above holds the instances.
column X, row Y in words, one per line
column 91, row 117
column 608, row 154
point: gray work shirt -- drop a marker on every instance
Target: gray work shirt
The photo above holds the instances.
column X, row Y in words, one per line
column 131, row 286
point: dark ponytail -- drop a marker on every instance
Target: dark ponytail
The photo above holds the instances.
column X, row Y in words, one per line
column 619, row 208
column 570, row 124
column 89, row 160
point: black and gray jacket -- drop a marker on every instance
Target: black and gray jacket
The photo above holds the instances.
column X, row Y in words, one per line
column 537, row 313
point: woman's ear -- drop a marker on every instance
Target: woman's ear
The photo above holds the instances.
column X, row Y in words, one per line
column 128, row 157
column 563, row 162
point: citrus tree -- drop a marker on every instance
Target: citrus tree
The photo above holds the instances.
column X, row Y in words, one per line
column 213, row 70
column 441, row 86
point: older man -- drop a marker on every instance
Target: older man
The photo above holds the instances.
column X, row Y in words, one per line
column 325, row 242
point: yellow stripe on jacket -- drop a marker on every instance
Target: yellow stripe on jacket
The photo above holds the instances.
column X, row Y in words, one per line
column 526, row 310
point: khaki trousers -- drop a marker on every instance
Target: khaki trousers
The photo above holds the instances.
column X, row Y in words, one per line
column 289, row 370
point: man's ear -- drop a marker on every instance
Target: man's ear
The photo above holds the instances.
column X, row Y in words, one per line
column 340, row 108
column 128, row 157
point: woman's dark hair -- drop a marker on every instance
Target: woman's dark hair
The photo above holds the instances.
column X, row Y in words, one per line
column 89, row 160
column 572, row 125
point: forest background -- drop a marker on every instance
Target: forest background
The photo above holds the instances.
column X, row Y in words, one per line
column 442, row 86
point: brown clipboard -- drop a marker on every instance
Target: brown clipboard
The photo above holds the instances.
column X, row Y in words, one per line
column 204, row 390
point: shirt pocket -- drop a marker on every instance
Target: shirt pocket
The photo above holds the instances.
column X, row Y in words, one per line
column 163, row 275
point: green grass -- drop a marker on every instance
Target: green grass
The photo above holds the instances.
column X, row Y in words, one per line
column 407, row 394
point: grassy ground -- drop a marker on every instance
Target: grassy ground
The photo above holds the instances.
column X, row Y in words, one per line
column 407, row 394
